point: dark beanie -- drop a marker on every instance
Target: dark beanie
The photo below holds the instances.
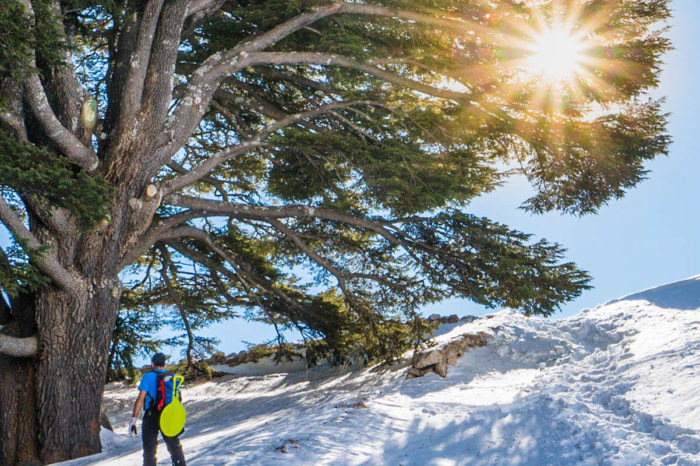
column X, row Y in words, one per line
column 158, row 359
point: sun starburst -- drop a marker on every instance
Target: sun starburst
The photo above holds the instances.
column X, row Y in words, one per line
column 555, row 55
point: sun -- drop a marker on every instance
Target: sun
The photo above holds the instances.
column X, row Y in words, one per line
column 555, row 55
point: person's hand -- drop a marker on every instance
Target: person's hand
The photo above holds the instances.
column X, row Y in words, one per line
column 132, row 426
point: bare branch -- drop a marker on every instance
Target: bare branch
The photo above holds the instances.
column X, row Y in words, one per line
column 328, row 59
column 159, row 229
column 19, row 347
column 135, row 80
column 66, row 141
column 215, row 182
column 205, row 168
column 157, row 94
column 45, row 261
column 209, row 207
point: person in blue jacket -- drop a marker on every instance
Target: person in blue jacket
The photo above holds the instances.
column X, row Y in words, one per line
column 151, row 418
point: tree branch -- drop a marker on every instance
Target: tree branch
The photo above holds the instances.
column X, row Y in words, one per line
column 45, row 261
column 313, row 255
column 329, row 59
column 210, row 207
column 15, row 123
column 135, row 78
column 159, row 229
column 210, row 164
column 206, row 79
column 199, row 91
column 19, row 347
column 157, row 94
column 197, row 10
column 66, row 141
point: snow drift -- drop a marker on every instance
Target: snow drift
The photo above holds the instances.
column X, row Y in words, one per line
column 618, row 384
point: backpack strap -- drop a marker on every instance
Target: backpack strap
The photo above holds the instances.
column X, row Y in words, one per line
column 160, row 387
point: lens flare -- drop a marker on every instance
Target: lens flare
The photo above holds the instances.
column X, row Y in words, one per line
column 555, row 55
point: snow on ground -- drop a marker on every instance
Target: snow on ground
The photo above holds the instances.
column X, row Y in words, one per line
column 618, row 385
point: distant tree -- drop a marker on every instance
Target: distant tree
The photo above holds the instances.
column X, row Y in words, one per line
column 250, row 140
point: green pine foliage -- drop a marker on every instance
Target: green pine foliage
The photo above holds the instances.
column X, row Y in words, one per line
column 16, row 40
column 32, row 171
column 17, row 275
column 430, row 114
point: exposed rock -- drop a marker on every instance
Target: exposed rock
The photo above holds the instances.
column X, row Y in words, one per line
column 357, row 404
column 437, row 359
column 452, row 319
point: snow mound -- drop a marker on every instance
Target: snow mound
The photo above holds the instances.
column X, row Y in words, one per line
column 684, row 294
column 614, row 385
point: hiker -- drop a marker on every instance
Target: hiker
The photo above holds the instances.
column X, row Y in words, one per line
column 151, row 417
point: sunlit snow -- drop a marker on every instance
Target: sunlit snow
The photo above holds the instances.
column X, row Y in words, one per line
column 618, row 384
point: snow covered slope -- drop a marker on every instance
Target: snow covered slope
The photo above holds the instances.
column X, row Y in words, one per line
column 618, row 384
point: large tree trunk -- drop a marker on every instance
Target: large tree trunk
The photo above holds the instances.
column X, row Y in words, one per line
column 74, row 334
column 50, row 405
column 18, row 440
column 18, row 435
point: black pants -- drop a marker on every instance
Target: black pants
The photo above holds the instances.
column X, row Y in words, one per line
column 149, row 434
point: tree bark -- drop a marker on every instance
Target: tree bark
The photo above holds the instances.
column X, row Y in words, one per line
column 50, row 405
column 18, row 442
column 18, row 439
column 74, row 334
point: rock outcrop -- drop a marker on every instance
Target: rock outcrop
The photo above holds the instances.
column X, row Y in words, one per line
column 437, row 359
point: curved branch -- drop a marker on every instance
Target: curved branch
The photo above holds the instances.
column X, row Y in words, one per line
column 206, row 79
column 45, row 261
column 66, row 141
column 19, row 347
column 159, row 229
column 199, row 8
column 210, row 164
column 329, row 59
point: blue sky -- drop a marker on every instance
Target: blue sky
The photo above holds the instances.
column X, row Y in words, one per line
column 645, row 239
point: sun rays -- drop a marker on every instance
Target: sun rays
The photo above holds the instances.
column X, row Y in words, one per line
column 556, row 55
column 560, row 55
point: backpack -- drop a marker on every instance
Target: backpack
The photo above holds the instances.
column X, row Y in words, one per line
column 172, row 413
column 164, row 391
